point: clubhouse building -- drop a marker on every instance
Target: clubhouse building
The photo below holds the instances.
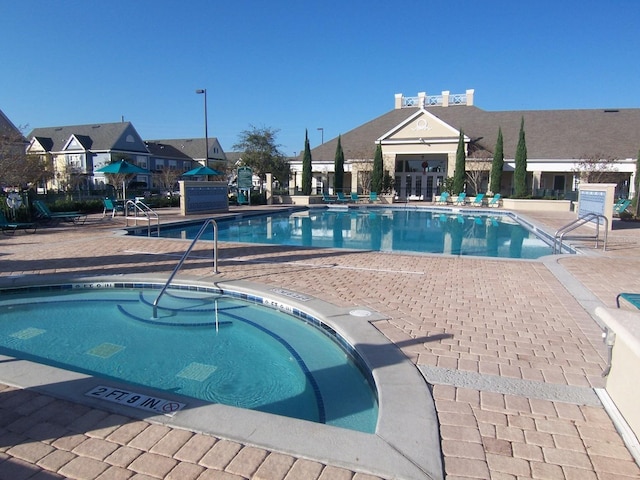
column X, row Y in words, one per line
column 420, row 136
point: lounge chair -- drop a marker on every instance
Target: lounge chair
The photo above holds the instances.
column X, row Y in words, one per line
column 460, row 199
column 326, row 198
column 632, row 298
column 9, row 228
column 342, row 198
column 477, row 202
column 44, row 214
column 621, row 206
column 242, row 199
column 373, row 197
column 354, row 197
column 111, row 206
column 495, row 201
column 444, row 199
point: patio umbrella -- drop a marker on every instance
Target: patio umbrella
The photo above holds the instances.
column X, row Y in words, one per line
column 201, row 171
column 122, row 168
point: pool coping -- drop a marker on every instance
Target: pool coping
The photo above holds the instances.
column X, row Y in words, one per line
column 406, row 443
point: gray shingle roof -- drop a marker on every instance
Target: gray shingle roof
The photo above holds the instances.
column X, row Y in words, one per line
column 103, row 136
column 550, row 134
column 193, row 147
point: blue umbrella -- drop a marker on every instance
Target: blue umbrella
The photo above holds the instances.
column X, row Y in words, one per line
column 122, row 168
column 201, row 171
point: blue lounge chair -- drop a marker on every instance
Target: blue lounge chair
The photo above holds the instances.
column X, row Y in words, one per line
column 373, row 197
column 112, row 206
column 241, row 199
column 354, row 197
column 621, row 206
column 477, row 202
column 326, row 198
column 495, row 201
column 45, row 215
column 461, row 199
column 444, row 199
column 9, row 228
column 342, row 198
column 632, row 298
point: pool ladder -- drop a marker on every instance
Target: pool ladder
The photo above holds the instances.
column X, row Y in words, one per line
column 589, row 217
column 138, row 206
column 210, row 221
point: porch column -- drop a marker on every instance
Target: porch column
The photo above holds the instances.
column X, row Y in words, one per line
column 535, row 182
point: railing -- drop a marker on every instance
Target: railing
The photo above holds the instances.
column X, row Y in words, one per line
column 145, row 210
column 434, row 100
column 589, row 217
column 184, row 257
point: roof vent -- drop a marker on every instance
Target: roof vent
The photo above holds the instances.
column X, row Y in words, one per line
column 96, row 126
column 611, row 110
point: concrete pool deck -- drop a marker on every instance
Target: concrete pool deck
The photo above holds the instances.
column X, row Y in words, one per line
column 510, row 348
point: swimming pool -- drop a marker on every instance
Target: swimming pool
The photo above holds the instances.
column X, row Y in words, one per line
column 385, row 229
column 206, row 344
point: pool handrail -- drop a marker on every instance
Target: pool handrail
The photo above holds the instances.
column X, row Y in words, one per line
column 146, row 211
column 588, row 217
column 184, row 257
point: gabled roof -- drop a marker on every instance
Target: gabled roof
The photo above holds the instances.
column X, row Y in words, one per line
column 550, row 134
column 8, row 129
column 194, row 147
column 103, row 136
column 161, row 149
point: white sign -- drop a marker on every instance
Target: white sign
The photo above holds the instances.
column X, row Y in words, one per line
column 136, row 400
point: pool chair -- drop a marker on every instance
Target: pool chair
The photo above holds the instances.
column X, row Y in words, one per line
column 477, row 202
column 444, row 198
column 9, row 228
column 47, row 216
column 326, row 198
column 462, row 197
column 632, row 298
column 373, row 197
column 495, row 201
column 342, row 198
column 621, row 206
column 354, row 197
column 242, row 199
column 111, row 206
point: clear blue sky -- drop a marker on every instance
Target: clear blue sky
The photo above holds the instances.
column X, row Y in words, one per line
column 293, row 65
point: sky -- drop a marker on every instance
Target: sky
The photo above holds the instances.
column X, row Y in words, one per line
column 296, row 66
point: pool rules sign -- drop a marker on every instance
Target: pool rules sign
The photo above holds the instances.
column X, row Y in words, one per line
column 136, row 400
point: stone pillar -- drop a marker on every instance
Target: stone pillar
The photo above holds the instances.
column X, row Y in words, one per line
column 269, row 188
column 445, row 98
column 470, row 94
column 422, row 98
column 398, row 101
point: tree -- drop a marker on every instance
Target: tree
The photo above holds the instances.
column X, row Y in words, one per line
column 306, row 166
column 377, row 176
column 17, row 169
column 597, row 168
column 520, row 173
column 261, row 152
column 477, row 168
column 497, row 165
column 459, row 173
column 338, row 165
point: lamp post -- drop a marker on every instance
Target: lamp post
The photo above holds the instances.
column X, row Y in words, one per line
column 206, row 128
column 322, row 133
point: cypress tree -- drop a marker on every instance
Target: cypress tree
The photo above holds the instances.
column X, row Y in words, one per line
column 459, row 174
column 497, row 165
column 306, row 166
column 520, row 173
column 378, row 173
column 636, row 183
column 338, row 166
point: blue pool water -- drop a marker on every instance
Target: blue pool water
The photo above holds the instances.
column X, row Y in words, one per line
column 382, row 229
column 205, row 345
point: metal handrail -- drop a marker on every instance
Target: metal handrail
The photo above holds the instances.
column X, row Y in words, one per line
column 146, row 210
column 589, row 217
column 184, row 257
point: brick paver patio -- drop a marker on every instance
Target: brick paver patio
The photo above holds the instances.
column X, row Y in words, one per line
column 491, row 336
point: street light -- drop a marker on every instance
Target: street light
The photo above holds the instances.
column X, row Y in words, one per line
column 322, row 132
column 206, row 128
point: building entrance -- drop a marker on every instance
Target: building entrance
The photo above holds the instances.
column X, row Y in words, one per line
column 419, row 186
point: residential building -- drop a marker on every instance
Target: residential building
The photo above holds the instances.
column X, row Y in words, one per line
column 419, row 139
